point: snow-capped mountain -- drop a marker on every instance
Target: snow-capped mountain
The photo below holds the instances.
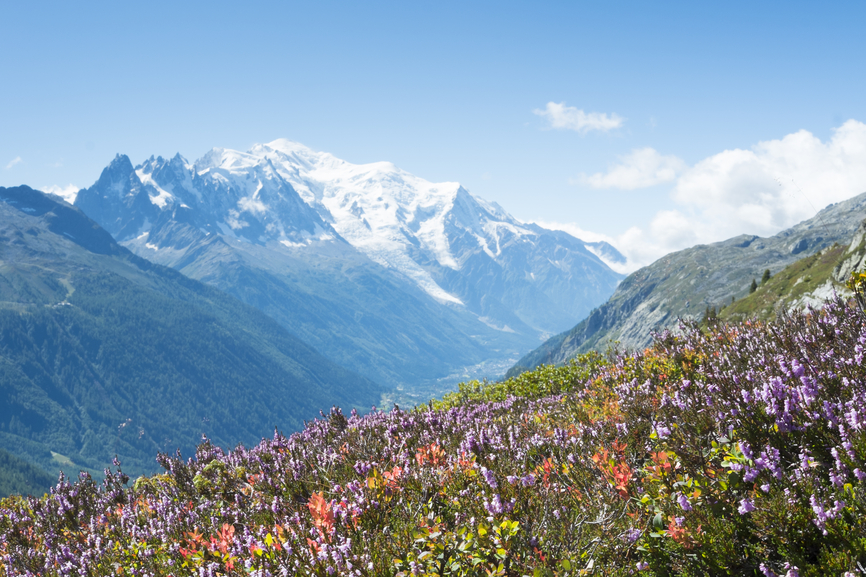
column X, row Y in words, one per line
column 425, row 230
column 282, row 200
column 220, row 193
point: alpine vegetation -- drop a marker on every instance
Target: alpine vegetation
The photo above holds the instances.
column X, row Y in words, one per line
column 736, row 451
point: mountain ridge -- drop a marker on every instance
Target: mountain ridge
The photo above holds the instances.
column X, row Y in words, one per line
column 683, row 283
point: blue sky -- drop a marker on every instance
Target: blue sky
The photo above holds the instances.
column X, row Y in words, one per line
column 654, row 125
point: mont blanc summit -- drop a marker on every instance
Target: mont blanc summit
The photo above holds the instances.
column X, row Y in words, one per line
column 445, row 262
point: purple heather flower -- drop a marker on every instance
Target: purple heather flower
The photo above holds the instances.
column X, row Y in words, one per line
column 662, row 431
column 632, row 535
column 489, row 477
column 746, row 506
column 684, row 502
column 752, row 473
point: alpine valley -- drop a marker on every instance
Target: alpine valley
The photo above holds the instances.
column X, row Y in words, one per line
column 410, row 283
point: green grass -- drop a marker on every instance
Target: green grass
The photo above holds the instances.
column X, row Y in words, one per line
column 787, row 286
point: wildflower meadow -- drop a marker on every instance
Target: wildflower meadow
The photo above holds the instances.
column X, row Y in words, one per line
column 737, row 450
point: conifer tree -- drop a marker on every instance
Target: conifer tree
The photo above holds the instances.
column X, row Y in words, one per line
column 766, row 276
column 754, row 286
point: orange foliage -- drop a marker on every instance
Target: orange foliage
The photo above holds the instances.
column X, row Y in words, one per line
column 393, row 476
column 323, row 516
column 617, row 474
column 681, row 534
column 432, row 453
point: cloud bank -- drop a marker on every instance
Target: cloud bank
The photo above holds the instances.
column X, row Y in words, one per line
column 564, row 117
column 771, row 186
column 641, row 168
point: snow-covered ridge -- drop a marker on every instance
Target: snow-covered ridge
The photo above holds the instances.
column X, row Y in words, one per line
column 377, row 207
column 286, row 193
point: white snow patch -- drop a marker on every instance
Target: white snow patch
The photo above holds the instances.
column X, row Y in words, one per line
column 492, row 324
column 67, row 193
column 620, row 267
column 145, row 228
column 162, row 197
column 252, row 205
column 291, row 244
column 226, row 229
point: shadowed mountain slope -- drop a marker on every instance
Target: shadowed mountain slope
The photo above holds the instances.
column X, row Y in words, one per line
column 103, row 352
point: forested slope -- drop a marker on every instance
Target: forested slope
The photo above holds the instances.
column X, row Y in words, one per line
column 104, row 353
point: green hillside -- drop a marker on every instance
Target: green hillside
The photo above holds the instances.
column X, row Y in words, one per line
column 104, row 353
column 808, row 281
column 19, row 477
column 787, row 287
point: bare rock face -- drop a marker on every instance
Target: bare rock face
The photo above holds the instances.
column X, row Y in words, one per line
column 682, row 284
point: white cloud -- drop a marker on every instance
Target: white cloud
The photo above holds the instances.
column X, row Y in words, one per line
column 570, row 118
column 641, row 168
column 13, row 162
column 777, row 183
column 67, row 193
column 771, row 186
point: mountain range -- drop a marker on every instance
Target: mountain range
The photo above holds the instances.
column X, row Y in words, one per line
column 395, row 277
column 686, row 283
column 104, row 353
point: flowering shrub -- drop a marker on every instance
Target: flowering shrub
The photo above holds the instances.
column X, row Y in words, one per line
column 739, row 451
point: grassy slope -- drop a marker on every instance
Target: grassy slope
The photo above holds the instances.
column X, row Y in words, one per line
column 787, row 286
column 809, row 280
